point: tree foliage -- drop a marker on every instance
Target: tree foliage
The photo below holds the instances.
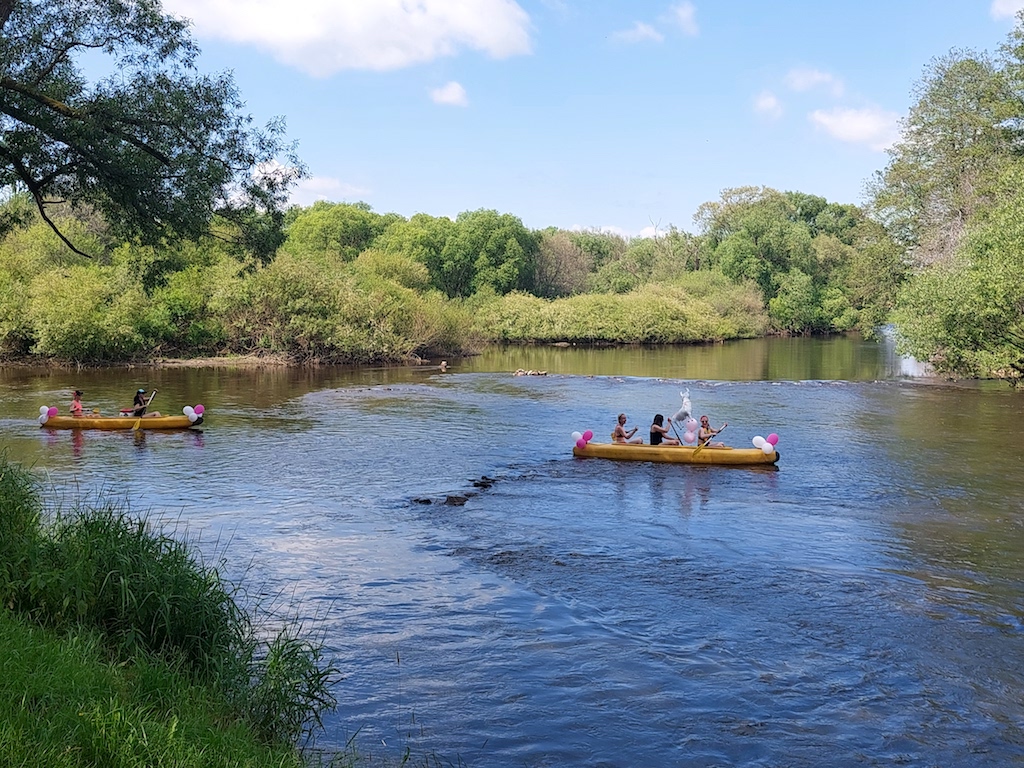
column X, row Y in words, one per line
column 157, row 149
column 954, row 142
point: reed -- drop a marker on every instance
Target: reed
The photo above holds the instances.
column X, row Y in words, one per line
column 148, row 599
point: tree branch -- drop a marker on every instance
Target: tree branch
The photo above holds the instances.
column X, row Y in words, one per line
column 83, row 117
column 37, row 197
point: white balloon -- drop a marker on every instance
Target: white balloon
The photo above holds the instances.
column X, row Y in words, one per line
column 577, row 436
column 43, row 410
column 43, row 418
column 193, row 417
column 188, row 410
column 759, row 441
column 768, row 448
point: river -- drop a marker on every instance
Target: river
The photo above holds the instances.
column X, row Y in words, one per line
column 495, row 602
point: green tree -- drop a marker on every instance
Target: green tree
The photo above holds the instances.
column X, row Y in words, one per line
column 487, row 249
column 966, row 316
column 954, row 143
column 341, row 230
column 562, row 265
column 422, row 238
column 155, row 148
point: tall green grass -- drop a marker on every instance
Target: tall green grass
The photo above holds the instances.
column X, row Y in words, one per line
column 65, row 703
column 148, row 601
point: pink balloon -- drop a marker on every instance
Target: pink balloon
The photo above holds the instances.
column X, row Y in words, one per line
column 772, row 438
column 199, row 409
column 581, row 443
column 689, row 437
column 588, row 435
column 52, row 411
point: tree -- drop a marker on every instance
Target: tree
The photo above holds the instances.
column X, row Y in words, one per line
column 341, row 230
column 562, row 266
column 954, row 142
column 487, row 249
column 157, row 149
column 966, row 317
column 422, row 238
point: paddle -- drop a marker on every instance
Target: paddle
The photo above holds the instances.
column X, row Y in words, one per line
column 702, row 445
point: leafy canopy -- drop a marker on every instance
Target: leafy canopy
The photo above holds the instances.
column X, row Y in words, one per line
column 157, row 148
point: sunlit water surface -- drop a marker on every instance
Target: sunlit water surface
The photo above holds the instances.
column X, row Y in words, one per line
column 861, row 605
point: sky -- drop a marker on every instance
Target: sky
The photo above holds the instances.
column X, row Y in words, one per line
column 618, row 115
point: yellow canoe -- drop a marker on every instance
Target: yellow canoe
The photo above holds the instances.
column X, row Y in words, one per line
column 121, row 422
column 676, row 454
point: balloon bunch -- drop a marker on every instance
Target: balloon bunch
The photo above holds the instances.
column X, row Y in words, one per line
column 692, row 430
column 766, row 444
column 47, row 412
column 194, row 414
column 582, row 438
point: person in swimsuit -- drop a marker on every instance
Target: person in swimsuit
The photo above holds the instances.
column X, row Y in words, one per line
column 706, row 433
column 622, row 435
column 139, row 405
column 76, row 403
column 659, row 433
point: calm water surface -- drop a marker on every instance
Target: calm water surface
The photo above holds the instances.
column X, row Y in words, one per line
column 862, row 605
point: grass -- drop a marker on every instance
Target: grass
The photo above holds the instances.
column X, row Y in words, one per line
column 119, row 646
column 65, row 702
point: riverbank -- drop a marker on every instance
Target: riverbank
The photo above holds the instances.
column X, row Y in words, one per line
column 119, row 647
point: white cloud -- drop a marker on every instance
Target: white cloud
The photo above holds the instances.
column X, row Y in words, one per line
column 768, row 104
column 451, row 94
column 639, row 33
column 806, row 79
column 321, row 37
column 1005, row 9
column 685, row 15
column 308, row 191
column 871, row 126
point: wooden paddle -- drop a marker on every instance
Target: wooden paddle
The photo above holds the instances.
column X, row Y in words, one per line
column 702, row 445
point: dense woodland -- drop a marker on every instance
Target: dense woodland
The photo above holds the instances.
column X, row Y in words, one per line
column 348, row 284
column 222, row 266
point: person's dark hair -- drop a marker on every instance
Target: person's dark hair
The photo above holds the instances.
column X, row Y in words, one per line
column 79, row 392
column 658, row 419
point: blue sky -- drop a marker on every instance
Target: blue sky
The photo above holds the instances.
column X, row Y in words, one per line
column 604, row 114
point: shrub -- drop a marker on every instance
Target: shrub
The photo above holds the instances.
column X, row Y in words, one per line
column 88, row 315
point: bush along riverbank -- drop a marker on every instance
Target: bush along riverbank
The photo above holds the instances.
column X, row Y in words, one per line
column 120, row 647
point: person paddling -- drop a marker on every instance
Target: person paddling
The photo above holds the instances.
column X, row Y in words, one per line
column 706, row 433
column 622, row 435
column 140, row 404
column 659, row 432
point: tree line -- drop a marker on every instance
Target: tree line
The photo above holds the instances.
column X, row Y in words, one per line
column 348, row 284
column 144, row 214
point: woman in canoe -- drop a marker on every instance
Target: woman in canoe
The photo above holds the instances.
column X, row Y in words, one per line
column 706, row 433
column 76, row 403
column 622, row 435
column 659, row 433
column 140, row 404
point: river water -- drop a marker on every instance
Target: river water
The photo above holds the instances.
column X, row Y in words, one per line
column 495, row 602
